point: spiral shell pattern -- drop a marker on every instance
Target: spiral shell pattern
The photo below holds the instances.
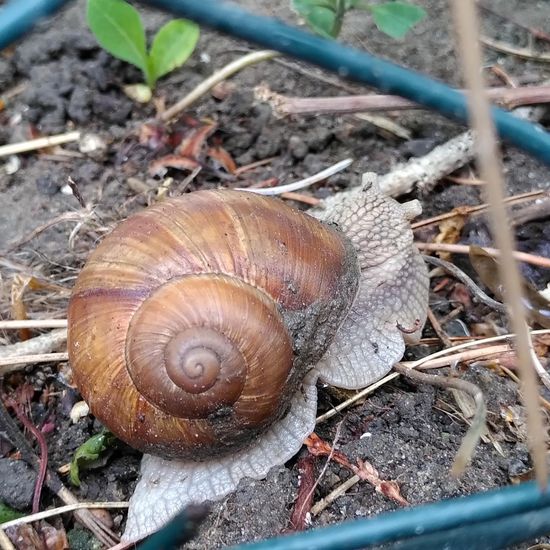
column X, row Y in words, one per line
column 191, row 325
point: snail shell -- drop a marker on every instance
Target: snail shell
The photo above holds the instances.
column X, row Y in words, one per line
column 194, row 322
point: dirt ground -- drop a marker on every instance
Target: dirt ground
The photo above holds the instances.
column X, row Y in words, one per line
column 410, row 433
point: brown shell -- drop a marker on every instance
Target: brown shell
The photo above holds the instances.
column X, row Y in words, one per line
column 264, row 285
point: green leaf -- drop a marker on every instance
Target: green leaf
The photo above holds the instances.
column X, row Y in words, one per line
column 323, row 16
column 172, row 46
column 7, row 513
column 117, row 27
column 396, row 18
column 88, row 453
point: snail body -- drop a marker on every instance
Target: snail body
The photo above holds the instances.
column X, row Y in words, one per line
column 199, row 327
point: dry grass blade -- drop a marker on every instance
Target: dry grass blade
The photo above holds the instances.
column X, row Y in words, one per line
column 488, row 157
column 478, row 209
column 442, row 358
column 319, row 506
column 358, row 396
column 39, row 143
column 62, row 218
column 5, row 542
column 218, row 76
column 503, row 47
column 62, row 510
column 306, row 182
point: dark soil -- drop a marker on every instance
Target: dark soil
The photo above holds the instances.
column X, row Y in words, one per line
column 409, row 433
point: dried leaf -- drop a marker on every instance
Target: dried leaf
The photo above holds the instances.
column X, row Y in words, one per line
column 221, row 156
column 449, row 233
column 194, row 141
column 461, row 294
column 54, row 539
column 159, row 166
column 24, row 537
column 366, row 471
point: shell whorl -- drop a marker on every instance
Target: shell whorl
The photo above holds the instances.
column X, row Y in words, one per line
column 210, row 338
column 191, row 325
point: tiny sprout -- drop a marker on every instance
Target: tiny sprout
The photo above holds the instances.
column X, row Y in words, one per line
column 118, row 28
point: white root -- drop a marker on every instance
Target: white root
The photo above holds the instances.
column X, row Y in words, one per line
column 301, row 184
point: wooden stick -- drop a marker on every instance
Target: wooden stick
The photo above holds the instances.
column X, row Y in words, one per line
column 218, row 76
column 285, row 106
column 7, row 362
column 40, row 143
column 532, row 259
column 33, row 323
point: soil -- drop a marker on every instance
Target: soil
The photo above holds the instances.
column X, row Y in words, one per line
column 409, row 432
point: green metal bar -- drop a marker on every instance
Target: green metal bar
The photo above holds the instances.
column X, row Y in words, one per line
column 355, row 65
column 513, row 511
column 18, row 16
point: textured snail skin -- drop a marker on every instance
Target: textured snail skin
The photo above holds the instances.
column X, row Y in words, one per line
column 363, row 342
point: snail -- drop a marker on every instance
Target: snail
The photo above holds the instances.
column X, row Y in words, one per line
column 199, row 327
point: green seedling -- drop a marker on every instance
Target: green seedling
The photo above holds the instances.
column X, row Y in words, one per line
column 88, row 454
column 118, row 29
column 325, row 17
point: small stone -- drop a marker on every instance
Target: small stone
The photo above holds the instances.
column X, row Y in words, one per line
column 79, row 410
column 297, row 147
column 90, row 143
column 12, row 165
column 17, row 487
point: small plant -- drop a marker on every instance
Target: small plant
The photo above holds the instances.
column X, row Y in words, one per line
column 325, row 17
column 89, row 453
column 118, row 29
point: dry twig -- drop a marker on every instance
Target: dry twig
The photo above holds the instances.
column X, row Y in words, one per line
column 532, row 259
column 33, row 323
column 472, row 286
column 471, row 439
column 285, row 106
column 223, row 73
column 503, row 47
column 62, row 510
column 40, row 143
